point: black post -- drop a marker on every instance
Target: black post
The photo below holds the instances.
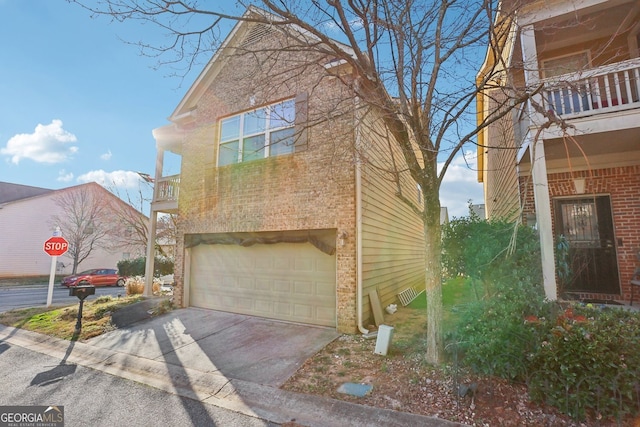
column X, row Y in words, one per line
column 79, row 322
column 81, row 292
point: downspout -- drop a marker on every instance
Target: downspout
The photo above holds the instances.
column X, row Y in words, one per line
column 359, row 296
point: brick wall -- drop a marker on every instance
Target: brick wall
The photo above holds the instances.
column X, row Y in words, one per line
column 310, row 189
column 622, row 184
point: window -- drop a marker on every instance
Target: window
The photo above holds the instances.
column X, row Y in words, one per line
column 565, row 64
column 264, row 132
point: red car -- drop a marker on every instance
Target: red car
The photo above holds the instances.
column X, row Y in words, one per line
column 95, row 277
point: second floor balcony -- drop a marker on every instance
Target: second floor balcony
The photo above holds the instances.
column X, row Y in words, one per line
column 605, row 89
column 166, row 193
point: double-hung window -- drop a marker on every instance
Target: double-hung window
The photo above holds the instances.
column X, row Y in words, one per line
column 257, row 134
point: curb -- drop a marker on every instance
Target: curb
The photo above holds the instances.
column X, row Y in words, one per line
column 268, row 403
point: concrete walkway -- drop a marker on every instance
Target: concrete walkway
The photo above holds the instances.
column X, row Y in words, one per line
column 228, row 360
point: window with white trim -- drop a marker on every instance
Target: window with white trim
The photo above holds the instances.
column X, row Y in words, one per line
column 264, row 132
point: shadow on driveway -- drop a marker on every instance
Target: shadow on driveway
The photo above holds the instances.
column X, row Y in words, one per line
column 240, row 347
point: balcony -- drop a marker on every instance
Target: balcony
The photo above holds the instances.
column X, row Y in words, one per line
column 166, row 192
column 606, row 89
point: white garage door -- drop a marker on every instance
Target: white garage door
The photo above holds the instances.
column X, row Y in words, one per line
column 285, row 281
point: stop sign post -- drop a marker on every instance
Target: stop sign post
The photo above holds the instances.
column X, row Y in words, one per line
column 54, row 247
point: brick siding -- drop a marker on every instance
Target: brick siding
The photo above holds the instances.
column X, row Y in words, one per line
column 311, row 189
column 622, row 184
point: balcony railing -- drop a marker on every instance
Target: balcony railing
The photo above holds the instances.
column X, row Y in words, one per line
column 167, row 189
column 609, row 88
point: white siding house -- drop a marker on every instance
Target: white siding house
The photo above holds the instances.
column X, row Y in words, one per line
column 26, row 221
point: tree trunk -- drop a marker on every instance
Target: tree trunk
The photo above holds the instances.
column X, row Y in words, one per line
column 433, row 277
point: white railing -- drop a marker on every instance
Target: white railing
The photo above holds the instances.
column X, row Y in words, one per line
column 599, row 90
column 167, row 188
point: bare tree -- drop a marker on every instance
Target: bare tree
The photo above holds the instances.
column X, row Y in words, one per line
column 413, row 67
column 166, row 235
column 132, row 226
column 84, row 221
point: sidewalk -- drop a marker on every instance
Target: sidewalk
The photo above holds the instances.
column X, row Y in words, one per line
column 192, row 358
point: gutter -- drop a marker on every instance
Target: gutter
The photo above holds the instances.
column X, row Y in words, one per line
column 358, row 173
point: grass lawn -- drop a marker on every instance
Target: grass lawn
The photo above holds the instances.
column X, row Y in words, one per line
column 60, row 322
column 456, row 292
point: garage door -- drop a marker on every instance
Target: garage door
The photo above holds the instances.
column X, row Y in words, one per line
column 285, row 281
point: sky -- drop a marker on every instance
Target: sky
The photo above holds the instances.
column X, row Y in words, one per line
column 78, row 103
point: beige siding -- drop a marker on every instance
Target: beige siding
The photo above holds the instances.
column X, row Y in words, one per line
column 502, row 197
column 392, row 234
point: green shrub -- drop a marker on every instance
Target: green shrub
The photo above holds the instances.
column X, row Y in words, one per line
column 131, row 267
column 136, row 267
column 492, row 334
column 581, row 359
column 503, row 261
column 588, row 362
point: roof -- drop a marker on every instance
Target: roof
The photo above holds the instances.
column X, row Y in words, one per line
column 16, row 193
column 252, row 16
column 11, row 192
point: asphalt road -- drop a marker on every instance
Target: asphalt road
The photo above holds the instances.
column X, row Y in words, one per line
column 33, row 296
column 93, row 398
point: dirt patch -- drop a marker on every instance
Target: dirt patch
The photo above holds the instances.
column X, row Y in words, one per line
column 403, row 382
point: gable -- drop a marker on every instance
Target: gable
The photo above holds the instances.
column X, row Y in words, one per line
column 243, row 38
column 11, row 192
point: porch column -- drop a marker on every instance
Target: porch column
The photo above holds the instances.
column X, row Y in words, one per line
column 153, row 223
column 539, row 164
column 531, row 71
column 543, row 217
column 151, row 253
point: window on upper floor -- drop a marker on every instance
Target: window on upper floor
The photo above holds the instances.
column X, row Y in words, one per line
column 565, row 64
column 264, row 132
column 634, row 41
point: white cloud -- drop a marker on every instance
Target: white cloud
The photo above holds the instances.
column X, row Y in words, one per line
column 354, row 24
column 120, row 178
column 460, row 184
column 63, row 176
column 47, row 144
column 106, row 156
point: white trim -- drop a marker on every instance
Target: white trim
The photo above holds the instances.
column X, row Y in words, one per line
column 267, row 131
column 543, row 10
column 186, row 278
column 332, row 64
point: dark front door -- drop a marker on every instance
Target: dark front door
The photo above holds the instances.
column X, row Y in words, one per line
column 588, row 226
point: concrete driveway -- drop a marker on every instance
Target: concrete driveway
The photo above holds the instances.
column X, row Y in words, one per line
column 240, row 347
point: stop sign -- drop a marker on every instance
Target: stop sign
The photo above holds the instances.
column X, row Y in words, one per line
column 56, row 246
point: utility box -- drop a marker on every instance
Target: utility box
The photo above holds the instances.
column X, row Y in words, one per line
column 385, row 334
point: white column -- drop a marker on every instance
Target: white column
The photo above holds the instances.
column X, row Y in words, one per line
column 539, row 165
column 151, row 253
column 531, row 70
column 529, row 54
column 153, row 223
column 543, row 217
